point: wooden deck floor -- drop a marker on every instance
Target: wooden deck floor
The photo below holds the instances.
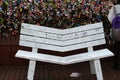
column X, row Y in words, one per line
column 45, row 71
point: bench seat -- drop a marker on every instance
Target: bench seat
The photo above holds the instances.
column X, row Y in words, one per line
column 64, row 60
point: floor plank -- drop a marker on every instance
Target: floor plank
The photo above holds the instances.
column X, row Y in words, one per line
column 45, row 71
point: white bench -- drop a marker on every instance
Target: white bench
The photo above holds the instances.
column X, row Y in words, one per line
column 63, row 40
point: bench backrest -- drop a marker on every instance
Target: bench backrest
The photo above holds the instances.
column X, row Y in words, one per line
column 62, row 40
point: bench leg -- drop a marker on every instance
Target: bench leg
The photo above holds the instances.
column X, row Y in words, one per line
column 98, row 69
column 31, row 70
column 92, row 67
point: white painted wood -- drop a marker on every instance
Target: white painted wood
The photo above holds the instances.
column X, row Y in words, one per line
column 62, row 49
column 40, row 28
column 39, row 57
column 62, row 37
column 67, row 40
column 84, row 45
column 65, row 60
column 83, row 28
column 98, row 69
column 38, row 40
column 32, row 65
column 31, row 70
column 92, row 65
column 81, row 34
column 60, row 31
column 88, row 56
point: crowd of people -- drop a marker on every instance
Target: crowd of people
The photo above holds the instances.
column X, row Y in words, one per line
column 51, row 13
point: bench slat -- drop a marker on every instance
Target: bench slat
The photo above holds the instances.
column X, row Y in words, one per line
column 83, row 28
column 39, row 57
column 64, row 60
column 40, row 28
column 62, row 49
column 88, row 56
column 60, row 31
column 62, row 37
column 61, row 43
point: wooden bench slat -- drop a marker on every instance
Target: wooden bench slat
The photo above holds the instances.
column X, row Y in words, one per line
column 61, row 43
column 39, row 57
column 62, row 49
column 84, row 45
column 102, row 53
column 83, row 28
column 62, row 37
column 81, row 34
column 60, row 31
column 40, row 28
column 64, row 60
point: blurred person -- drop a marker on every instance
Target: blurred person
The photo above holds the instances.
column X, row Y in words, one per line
column 116, row 46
